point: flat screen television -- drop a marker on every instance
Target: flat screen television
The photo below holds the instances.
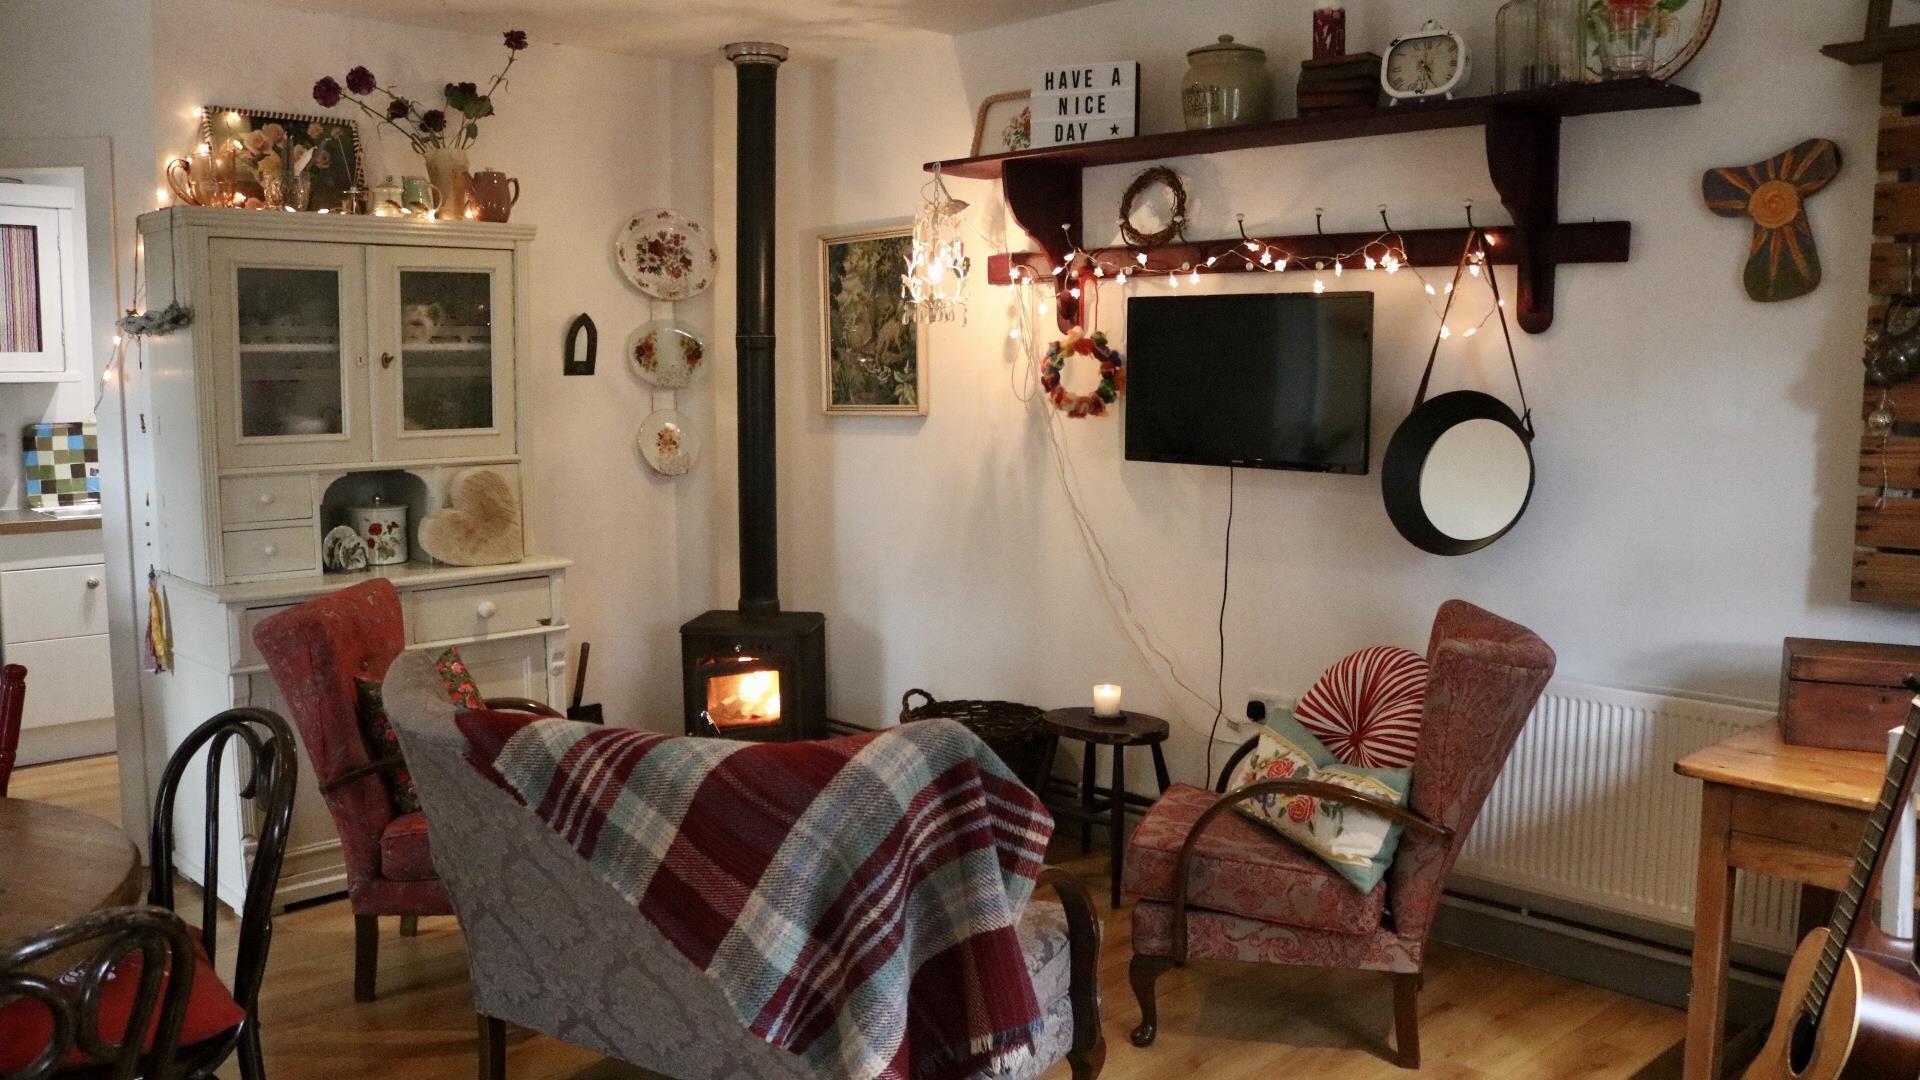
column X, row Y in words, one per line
column 1265, row 380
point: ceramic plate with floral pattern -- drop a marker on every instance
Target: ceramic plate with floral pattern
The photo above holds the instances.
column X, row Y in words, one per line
column 666, row 255
column 667, row 353
column 669, row 446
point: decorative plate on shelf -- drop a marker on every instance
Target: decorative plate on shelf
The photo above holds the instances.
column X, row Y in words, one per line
column 667, row 353
column 1683, row 25
column 666, row 255
column 667, row 444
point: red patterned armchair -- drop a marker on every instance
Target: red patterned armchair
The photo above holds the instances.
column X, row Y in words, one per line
column 315, row 651
column 1213, row 885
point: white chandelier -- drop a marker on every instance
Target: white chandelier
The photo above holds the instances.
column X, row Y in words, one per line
column 935, row 284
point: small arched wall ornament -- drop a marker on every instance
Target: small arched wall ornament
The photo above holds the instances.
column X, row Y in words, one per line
column 1782, row 263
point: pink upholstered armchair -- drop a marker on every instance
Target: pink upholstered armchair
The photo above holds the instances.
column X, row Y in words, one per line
column 1213, row 885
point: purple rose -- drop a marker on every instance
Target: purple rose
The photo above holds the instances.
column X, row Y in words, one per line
column 326, row 92
column 433, row 120
column 516, row 39
column 398, row 108
column 360, row 81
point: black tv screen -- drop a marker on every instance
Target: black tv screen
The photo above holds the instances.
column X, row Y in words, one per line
column 1272, row 381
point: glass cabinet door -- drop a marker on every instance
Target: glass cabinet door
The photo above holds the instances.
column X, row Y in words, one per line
column 290, row 329
column 444, row 330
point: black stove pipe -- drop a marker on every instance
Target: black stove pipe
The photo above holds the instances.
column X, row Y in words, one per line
column 756, row 63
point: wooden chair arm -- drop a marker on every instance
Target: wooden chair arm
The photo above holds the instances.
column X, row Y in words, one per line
column 1083, row 941
column 388, row 764
column 525, row 705
column 1317, row 789
column 1226, row 771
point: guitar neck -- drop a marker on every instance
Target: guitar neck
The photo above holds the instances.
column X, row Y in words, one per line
column 1844, row 928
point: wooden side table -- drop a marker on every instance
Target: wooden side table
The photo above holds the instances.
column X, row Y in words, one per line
column 1130, row 729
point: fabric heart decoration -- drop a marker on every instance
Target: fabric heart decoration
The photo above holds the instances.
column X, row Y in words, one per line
column 480, row 525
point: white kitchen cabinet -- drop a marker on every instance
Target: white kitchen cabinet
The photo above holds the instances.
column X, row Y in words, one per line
column 53, row 621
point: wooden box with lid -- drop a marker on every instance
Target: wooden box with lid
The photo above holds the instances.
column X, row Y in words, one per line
column 1844, row 695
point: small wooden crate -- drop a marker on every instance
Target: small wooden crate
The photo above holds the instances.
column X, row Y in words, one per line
column 1844, row 695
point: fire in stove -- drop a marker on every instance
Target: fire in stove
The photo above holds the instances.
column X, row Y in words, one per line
column 744, row 699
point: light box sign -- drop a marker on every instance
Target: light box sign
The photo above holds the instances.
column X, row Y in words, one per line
column 1076, row 103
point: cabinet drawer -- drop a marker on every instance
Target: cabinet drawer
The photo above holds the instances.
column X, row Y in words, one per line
column 58, row 602
column 250, row 618
column 252, row 552
column 68, row 679
column 247, row 499
column 475, row 611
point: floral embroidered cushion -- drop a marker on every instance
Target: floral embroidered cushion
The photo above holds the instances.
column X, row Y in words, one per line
column 377, row 730
column 1357, row 843
column 1367, row 708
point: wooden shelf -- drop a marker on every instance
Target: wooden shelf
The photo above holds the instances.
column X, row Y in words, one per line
column 1043, row 189
column 1875, row 49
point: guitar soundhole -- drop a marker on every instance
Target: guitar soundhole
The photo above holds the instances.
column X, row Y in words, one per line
column 1800, row 1051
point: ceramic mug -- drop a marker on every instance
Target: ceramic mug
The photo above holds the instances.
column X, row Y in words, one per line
column 383, row 529
column 388, row 199
column 494, row 194
column 419, row 195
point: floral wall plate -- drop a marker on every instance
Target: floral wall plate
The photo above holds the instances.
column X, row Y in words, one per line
column 666, row 255
column 667, row 353
column 668, row 445
column 1683, row 26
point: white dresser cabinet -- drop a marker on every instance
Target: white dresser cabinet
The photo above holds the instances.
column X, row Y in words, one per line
column 330, row 358
column 53, row 620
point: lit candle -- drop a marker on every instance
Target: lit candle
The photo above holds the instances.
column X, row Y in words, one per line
column 1106, row 700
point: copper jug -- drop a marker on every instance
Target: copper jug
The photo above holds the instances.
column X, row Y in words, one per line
column 494, row 194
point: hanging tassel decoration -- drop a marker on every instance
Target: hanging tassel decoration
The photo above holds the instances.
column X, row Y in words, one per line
column 159, row 637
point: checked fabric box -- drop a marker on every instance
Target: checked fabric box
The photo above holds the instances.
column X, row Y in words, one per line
column 62, row 465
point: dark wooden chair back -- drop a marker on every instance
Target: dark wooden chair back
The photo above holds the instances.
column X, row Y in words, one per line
column 32, row 970
column 268, row 780
column 13, row 702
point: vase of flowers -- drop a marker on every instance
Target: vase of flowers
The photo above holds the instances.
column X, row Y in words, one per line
column 440, row 136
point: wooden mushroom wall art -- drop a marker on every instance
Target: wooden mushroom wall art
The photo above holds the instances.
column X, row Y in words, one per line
column 1782, row 262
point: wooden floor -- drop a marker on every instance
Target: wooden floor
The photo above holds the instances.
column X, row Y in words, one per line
column 1480, row 1017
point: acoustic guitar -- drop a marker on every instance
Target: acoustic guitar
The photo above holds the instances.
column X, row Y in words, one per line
column 1850, row 1008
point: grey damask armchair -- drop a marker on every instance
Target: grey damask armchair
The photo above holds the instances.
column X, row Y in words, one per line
column 552, row 949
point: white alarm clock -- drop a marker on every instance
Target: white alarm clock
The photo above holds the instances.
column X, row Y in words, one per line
column 1427, row 63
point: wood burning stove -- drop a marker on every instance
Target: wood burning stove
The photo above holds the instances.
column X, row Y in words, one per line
column 757, row 672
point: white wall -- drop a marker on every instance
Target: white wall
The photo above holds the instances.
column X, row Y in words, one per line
column 1696, row 452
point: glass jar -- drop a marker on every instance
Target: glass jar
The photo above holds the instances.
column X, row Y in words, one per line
column 1628, row 33
column 1560, row 49
column 1515, row 43
column 1226, row 84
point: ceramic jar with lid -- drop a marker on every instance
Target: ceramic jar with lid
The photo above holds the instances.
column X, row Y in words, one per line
column 1226, row 84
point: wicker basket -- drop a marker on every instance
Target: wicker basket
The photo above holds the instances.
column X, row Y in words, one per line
column 1018, row 733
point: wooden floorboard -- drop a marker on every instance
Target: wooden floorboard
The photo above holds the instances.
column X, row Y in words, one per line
column 1481, row 1018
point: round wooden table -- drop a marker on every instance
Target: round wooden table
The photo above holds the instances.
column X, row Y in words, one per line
column 1129, row 729
column 58, row 864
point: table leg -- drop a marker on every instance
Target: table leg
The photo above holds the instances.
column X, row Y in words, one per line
column 1160, row 769
column 1087, row 752
column 1117, row 819
column 1712, row 931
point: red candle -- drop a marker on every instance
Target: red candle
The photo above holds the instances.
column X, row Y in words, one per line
column 1329, row 29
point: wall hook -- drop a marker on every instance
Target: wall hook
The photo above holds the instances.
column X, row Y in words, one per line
column 1384, row 223
column 1318, row 213
column 1469, row 205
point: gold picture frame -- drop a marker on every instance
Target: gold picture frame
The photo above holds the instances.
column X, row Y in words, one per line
column 338, row 164
column 1000, row 110
column 873, row 362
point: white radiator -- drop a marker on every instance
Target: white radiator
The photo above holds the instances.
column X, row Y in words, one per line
column 1589, row 810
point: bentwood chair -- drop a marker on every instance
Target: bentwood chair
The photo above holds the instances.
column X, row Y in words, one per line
column 13, row 702
column 116, row 1012
column 1213, row 885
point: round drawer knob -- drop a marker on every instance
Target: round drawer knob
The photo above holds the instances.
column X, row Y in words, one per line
column 266, row 498
column 93, row 583
column 487, row 609
column 270, row 550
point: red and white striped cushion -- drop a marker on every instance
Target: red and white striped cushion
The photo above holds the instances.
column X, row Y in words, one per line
column 1366, row 708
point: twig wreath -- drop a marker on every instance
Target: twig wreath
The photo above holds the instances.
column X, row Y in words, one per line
column 1113, row 376
column 1160, row 176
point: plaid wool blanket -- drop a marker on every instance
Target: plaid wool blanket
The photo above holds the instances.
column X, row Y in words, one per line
column 854, row 900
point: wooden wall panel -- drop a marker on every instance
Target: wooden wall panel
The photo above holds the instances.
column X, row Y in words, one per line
column 1887, row 523
column 1899, row 143
column 1896, row 209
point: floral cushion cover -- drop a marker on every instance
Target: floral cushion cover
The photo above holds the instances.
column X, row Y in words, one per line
column 1357, row 843
column 377, row 730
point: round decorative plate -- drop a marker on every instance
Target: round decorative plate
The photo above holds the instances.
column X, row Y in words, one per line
column 669, row 446
column 1685, row 26
column 667, row 353
column 666, row 255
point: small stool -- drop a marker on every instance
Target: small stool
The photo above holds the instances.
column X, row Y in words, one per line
column 1128, row 729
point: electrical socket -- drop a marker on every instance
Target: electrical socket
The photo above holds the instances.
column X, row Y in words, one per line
column 1275, row 702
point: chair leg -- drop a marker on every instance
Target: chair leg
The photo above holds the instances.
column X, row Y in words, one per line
column 253, row 1064
column 1406, row 1018
column 1143, row 973
column 409, row 926
column 366, row 955
column 1086, row 1065
column 493, row 1048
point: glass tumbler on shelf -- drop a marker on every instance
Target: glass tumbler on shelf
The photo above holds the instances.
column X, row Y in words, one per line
column 1560, row 43
column 1516, row 32
column 1628, row 33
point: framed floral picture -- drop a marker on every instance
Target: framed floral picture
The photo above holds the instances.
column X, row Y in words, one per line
column 873, row 360
column 330, row 144
column 1004, row 124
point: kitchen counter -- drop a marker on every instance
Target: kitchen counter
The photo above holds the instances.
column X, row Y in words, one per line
column 17, row 522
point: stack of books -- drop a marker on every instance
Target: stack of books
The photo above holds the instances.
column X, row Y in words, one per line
column 1339, row 82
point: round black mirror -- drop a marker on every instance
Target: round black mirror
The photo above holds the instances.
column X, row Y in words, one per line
column 1458, row 473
